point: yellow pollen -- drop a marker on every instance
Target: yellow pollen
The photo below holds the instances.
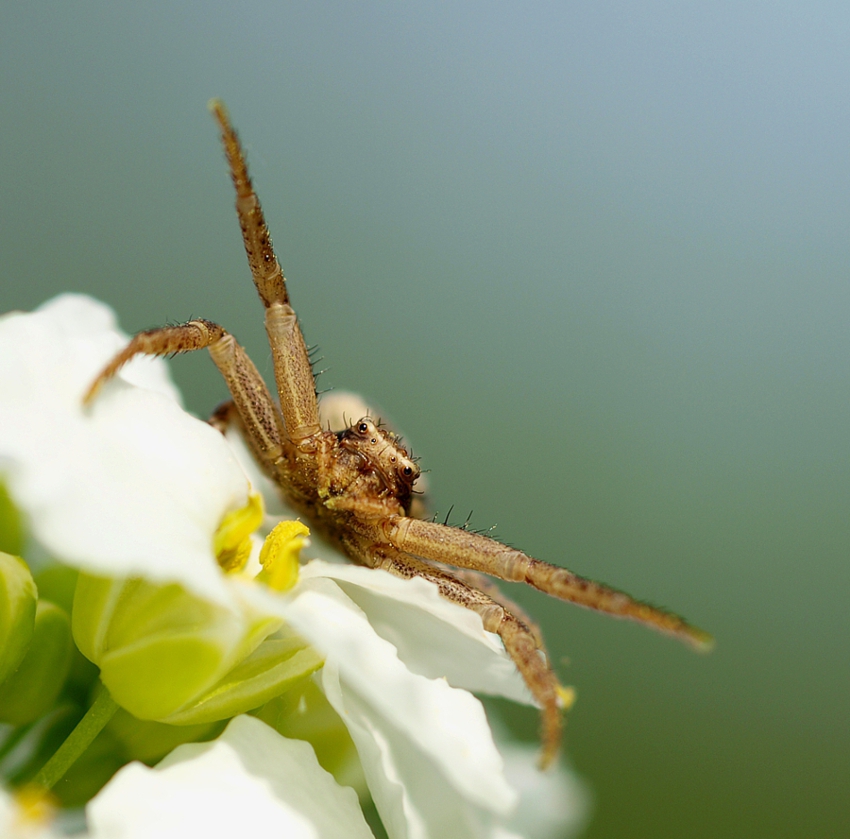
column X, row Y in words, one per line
column 280, row 554
column 232, row 541
column 566, row 697
column 36, row 807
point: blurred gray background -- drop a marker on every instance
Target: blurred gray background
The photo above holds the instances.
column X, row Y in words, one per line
column 592, row 258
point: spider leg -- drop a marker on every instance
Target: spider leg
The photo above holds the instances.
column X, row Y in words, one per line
column 224, row 415
column 484, row 584
column 252, row 401
column 454, row 546
column 521, row 642
column 293, row 373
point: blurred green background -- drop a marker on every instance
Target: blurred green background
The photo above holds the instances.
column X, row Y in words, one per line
column 592, row 258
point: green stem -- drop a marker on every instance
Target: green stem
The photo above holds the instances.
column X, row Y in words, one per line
column 97, row 716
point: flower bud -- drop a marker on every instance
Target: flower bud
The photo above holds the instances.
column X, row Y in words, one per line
column 282, row 661
column 11, row 532
column 57, row 583
column 170, row 656
column 18, row 597
column 32, row 689
column 158, row 647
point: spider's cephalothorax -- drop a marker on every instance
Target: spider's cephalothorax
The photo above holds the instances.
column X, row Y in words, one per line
column 376, row 456
column 356, row 486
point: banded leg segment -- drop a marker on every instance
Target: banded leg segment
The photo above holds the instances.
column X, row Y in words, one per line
column 526, row 651
column 251, row 397
column 484, row 584
column 293, row 373
column 453, row 546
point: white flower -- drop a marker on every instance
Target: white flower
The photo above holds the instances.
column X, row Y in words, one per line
column 25, row 819
column 248, row 782
column 552, row 805
column 134, row 486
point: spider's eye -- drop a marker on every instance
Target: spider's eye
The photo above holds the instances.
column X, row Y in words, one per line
column 363, row 427
column 407, row 471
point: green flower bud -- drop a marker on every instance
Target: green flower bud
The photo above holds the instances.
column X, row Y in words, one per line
column 18, row 596
column 32, row 689
column 11, row 532
column 279, row 663
column 57, row 583
column 170, row 656
column 158, row 647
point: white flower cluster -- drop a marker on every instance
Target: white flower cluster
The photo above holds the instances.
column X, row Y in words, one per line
column 134, row 487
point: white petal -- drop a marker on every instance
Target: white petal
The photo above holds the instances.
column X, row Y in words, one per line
column 205, row 790
column 293, row 774
column 16, row 824
column 426, row 747
column 554, row 804
column 434, row 637
column 132, row 485
column 411, row 789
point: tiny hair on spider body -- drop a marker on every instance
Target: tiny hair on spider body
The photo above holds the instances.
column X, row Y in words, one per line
column 356, row 484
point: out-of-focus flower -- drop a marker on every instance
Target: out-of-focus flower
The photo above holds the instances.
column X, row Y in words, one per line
column 248, row 782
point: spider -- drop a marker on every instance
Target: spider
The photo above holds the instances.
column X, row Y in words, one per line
column 355, row 486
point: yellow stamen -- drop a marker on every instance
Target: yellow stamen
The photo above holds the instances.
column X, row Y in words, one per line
column 566, row 697
column 280, row 554
column 232, row 541
column 36, row 807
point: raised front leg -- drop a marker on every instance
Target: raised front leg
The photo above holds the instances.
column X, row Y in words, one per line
column 251, row 397
column 293, row 373
column 453, row 546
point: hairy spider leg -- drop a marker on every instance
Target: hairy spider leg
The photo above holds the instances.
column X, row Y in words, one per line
column 225, row 414
column 522, row 643
column 257, row 412
column 485, row 585
column 301, row 458
column 454, row 546
column 293, row 373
